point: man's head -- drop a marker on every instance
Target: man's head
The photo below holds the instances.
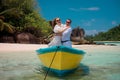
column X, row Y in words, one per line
column 68, row 21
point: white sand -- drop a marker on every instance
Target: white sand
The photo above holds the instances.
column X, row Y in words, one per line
column 7, row 47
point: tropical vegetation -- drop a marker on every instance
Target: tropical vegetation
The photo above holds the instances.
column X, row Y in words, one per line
column 112, row 34
column 22, row 16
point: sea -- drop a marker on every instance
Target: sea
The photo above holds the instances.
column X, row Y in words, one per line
column 99, row 63
column 112, row 43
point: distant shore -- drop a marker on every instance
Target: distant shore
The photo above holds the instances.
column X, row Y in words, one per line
column 106, row 41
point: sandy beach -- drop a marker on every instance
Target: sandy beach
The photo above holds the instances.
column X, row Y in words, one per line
column 20, row 61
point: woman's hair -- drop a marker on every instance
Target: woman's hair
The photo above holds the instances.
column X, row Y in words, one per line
column 54, row 22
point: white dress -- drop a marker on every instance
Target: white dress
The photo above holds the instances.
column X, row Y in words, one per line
column 57, row 39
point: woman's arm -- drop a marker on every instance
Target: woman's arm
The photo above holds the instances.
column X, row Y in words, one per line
column 58, row 29
column 61, row 31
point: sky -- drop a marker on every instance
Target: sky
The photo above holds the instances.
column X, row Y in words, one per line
column 92, row 15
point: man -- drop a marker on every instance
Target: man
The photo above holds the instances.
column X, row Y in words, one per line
column 66, row 34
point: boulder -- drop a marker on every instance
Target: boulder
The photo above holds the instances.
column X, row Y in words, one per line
column 26, row 38
column 7, row 39
column 77, row 34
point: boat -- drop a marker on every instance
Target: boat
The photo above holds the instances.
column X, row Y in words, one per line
column 60, row 60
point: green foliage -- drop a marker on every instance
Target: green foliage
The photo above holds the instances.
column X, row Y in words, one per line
column 111, row 35
column 22, row 14
column 33, row 30
column 89, row 37
column 34, row 19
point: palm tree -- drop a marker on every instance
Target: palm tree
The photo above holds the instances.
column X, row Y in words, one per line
column 6, row 27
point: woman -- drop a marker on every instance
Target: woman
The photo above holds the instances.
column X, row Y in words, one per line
column 58, row 30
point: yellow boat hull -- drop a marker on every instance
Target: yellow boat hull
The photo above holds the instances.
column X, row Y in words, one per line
column 60, row 59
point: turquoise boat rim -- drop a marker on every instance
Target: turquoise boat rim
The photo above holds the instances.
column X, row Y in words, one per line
column 60, row 48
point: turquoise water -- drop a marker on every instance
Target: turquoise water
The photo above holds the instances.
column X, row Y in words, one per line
column 99, row 63
column 116, row 43
column 105, row 65
column 113, row 43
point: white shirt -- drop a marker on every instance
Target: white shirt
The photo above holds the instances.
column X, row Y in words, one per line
column 66, row 34
column 66, row 37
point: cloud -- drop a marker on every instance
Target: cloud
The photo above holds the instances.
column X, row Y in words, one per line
column 91, row 9
column 86, row 9
column 88, row 23
column 114, row 22
column 93, row 20
column 93, row 32
column 74, row 9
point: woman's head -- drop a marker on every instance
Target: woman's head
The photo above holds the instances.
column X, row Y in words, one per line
column 56, row 21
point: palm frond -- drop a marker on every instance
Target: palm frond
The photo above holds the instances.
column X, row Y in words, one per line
column 1, row 25
column 9, row 28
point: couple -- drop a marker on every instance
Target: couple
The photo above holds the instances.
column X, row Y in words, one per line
column 62, row 33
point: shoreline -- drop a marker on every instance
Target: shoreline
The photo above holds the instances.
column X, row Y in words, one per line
column 106, row 41
column 16, row 47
